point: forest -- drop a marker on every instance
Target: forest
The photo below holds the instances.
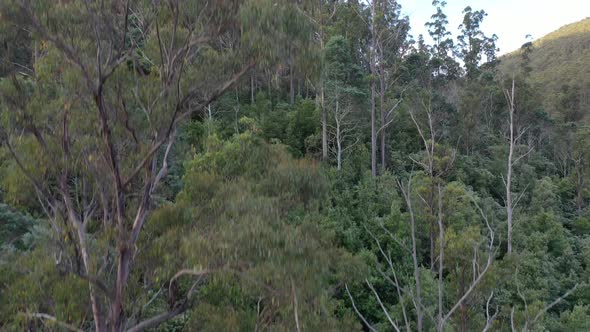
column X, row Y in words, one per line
column 279, row 165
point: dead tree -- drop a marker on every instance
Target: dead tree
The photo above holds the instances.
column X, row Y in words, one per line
column 511, row 161
column 343, row 129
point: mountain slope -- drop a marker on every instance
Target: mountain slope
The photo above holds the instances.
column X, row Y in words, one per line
column 560, row 64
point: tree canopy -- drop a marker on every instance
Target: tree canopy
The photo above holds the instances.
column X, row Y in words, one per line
column 255, row 165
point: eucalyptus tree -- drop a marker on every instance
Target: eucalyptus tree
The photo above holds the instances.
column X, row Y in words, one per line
column 474, row 44
column 391, row 30
column 93, row 129
column 388, row 33
column 443, row 46
column 478, row 53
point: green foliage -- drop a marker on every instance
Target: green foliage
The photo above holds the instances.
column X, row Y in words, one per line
column 34, row 285
column 13, row 226
column 239, row 190
column 264, row 234
column 559, row 68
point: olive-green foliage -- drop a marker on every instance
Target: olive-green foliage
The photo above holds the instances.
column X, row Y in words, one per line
column 33, row 284
column 235, row 217
column 560, row 61
column 244, row 202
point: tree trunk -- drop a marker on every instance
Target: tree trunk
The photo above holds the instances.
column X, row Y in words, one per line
column 373, row 92
column 35, row 53
column 117, row 307
column 96, row 310
column 252, row 88
column 338, row 137
column 416, row 272
column 509, row 207
column 324, row 124
column 432, row 220
column 441, row 249
column 373, row 133
column 579, row 165
column 322, row 94
column 383, row 122
column 291, row 84
column 269, row 87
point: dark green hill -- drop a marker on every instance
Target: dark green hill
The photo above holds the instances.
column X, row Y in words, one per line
column 560, row 68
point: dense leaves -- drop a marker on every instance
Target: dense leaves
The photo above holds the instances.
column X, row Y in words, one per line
column 287, row 166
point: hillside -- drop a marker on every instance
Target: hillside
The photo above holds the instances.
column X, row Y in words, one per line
column 278, row 165
column 559, row 59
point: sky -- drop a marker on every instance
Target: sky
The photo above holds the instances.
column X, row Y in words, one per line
column 511, row 20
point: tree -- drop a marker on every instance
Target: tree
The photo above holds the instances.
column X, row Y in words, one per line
column 343, row 87
column 442, row 49
column 513, row 138
column 373, row 68
column 391, row 31
column 474, row 44
column 116, row 81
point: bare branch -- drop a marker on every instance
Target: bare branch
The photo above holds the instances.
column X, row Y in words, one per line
column 512, row 320
column 554, row 303
column 490, row 319
column 157, row 320
column 295, row 306
column 406, row 191
column 164, row 170
column 523, row 155
column 51, row 319
column 485, row 269
column 358, row 312
column 385, row 311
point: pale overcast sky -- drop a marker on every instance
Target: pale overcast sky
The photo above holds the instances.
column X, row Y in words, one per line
column 511, row 20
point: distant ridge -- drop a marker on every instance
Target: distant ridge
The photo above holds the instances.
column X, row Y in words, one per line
column 560, row 60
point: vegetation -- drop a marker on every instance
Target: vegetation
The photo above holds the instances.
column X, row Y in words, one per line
column 254, row 165
column 559, row 65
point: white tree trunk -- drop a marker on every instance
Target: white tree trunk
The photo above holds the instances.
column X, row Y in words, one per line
column 509, row 207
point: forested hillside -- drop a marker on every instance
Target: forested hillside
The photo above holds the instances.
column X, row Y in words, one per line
column 257, row 165
column 559, row 65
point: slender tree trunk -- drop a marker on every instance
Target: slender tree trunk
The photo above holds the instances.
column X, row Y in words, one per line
column 416, row 265
column 383, row 122
column 252, row 88
column 579, row 165
column 118, row 305
column 99, row 324
column 123, row 266
column 35, row 52
column 322, row 93
column 419, row 313
column 338, row 138
column 509, row 207
column 432, row 219
column 373, row 133
column 291, row 84
column 373, row 92
column 269, row 87
column 324, row 123
column 441, row 257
